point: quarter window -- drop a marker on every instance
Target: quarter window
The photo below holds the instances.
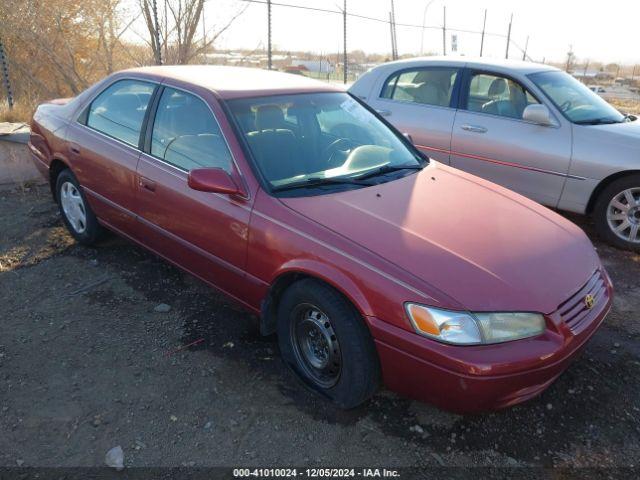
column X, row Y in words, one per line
column 186, row 134
column 498, row 95
column 119, row 110
column 428, row 86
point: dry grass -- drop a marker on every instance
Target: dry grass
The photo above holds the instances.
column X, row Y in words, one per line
column 626, row 106
column 21, row 112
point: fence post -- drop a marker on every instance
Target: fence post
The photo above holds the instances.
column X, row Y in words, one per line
column 484, row 25
column 4, row 64
column 444, row 30
column 269, row 62
column 344, row 52
column 156, row 32
column 506, row 55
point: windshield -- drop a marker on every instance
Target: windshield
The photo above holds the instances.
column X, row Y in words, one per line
column 578, row 103
column 319, row 141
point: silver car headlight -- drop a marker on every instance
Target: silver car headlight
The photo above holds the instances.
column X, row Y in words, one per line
column 469, row 328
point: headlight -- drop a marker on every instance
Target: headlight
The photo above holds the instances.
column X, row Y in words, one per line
column 467, row 328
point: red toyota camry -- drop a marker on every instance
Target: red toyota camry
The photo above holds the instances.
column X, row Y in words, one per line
column 370, row 261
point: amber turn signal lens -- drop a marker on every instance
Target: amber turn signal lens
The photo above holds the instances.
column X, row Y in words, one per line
column 424, row 320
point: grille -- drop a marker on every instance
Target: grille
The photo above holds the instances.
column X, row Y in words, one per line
column 574, row 311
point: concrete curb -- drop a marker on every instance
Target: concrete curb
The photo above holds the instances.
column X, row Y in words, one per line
column 16, row 166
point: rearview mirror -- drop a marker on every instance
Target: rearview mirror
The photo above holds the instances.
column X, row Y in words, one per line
column 214, row 180
column 538, row 114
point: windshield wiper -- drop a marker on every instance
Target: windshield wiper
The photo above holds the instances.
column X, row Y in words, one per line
column 598, row 121
column 389, row 168
column 319, row 181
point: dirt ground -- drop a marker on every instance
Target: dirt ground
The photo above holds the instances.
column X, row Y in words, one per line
column 87, row 363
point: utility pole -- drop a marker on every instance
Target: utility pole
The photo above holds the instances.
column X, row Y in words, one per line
column 586, row 66
column 569, row 59
column 393, row 31
column 4, row 65
column 156, row 33
column 633, row 74
column 393, row 41
column 444, row 30
column 506, row 55
column 344, row 51
column 484, row 25
column 526, row 45
column 269, row 63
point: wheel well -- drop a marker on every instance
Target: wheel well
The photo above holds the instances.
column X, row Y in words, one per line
column 604, row 184
column 55, row 168
column 269, row 309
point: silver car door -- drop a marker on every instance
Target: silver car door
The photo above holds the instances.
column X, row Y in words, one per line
column 419, row 101
column 491, row 140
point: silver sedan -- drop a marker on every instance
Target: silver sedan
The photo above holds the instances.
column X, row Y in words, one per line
column 529, row 127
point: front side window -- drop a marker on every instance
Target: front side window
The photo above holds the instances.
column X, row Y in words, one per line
column 320, row 140
column 186, row 135
column 427, row 86
column 497, row 95
column 577, row 102
column 119, row 110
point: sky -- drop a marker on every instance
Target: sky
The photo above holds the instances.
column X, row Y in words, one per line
column 598, row 31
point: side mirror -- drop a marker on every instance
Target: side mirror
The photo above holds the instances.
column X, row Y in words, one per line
column 213, row 180
column 538, row 114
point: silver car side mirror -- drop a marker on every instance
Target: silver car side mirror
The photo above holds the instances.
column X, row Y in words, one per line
column 538, row 114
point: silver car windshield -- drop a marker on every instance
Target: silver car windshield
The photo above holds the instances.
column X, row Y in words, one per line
column 320, row 139
column 579, row 104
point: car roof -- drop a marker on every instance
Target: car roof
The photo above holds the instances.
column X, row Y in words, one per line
column 238, row 82
column 504, row 65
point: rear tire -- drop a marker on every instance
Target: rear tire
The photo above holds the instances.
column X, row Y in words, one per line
column 75, row 210
column 325, row 342
column 616, row 213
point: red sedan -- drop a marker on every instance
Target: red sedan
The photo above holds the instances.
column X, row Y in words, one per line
column 370, row 261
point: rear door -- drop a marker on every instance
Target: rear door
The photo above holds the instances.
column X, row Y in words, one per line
column 205, row 233
column 104, row 149
column 490, row 139
column 420, row 101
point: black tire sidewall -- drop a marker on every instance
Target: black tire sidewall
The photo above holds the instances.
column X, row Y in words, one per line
column 360, row 372
column 93, row 230
column 600, row 211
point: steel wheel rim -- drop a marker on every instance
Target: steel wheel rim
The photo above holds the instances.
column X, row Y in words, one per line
column 623, row 215
column 73, row 207
column 316, row 345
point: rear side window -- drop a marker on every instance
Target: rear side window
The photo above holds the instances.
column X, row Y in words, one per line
column 119, row 110
column 427, row 86
column 186, row 134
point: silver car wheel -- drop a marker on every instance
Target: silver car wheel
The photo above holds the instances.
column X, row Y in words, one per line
column 73, row 207
column 623, row 215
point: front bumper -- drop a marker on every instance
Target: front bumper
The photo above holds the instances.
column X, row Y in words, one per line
column 468, row 379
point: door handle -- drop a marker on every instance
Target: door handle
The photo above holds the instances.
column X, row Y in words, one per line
column 74, row 148
column 474, row 128
column 384, row 113
column 147, row 184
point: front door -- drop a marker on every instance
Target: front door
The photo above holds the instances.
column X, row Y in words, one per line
column 490, row 139
column 205, row 233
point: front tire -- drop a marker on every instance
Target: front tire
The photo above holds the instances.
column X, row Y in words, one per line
column 617, row 213
column 325, row 342
column 76, row 212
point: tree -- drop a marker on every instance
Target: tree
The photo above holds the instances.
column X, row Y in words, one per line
column 174, row 35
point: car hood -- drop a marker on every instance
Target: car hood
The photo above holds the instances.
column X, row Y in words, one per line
column 486, row 247
column 617, row 132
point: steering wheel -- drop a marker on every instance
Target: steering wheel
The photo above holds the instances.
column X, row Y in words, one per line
column 333, row 148
column 566, row 106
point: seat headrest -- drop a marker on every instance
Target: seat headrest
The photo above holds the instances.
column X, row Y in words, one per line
column 498, row 87
column 269, row 117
